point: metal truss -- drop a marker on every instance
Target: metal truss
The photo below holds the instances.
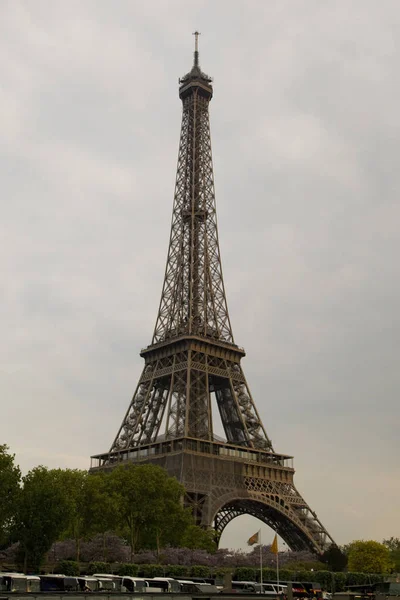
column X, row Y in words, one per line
column 193, row 365
column 183, row 383
column 193, row 296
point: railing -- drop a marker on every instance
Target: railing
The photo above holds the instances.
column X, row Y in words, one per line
column 194, row 336
column 197, row 446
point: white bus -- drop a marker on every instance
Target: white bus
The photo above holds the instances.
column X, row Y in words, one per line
column 18, row 582
column 164, row 584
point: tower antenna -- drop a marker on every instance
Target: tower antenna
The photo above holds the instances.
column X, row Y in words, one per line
column 196, row 48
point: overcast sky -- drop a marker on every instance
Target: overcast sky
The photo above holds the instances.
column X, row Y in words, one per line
column 305, row 131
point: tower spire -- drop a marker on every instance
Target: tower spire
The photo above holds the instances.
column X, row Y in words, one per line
column 196, row 48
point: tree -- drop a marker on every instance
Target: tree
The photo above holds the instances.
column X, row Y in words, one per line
column 73, row 483
column 394, row 548
column 43, row 512
column 196, row 537
column 392, row 543
column 148, row 503
column 100, row 510
column 10, row 477
column 368, row 557
column 91, row 508
column 334, row 558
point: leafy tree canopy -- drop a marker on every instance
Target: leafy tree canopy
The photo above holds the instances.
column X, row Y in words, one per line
column 43, row 514
column 334, row 558
column 394, row 548
column 148, row 502
column 195, row 537
column 10, row 477
column 392, row 543
column 368, row 557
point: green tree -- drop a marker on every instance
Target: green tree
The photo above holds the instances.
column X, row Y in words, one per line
column 334, row 558
column 368, row 557
column 43, row 512
column 10, row 477
column 394, row 548
column 392, row 543
column 196, row 537
column 148, row 504
column 100, row 508
column 91, row 508
column 73, row 483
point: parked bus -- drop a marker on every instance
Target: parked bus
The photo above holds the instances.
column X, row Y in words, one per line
column 58, row 583
column 194, row 587
column 164, row 584
column 88, row 584
column 134, row 584
column 109, row 582
column 246, row 587
column 18, row 582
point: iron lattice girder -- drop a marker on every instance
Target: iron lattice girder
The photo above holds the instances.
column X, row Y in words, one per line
column 193, row 358
column 180, row 378
column 193, row 297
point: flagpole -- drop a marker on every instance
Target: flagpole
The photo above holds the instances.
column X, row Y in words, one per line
column 277, row 568
column 261, row 565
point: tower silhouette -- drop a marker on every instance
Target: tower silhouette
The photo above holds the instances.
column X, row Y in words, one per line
column 193, row 367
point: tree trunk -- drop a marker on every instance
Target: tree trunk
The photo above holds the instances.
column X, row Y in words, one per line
column 77, row 549
column 132, row 542
column 104, row 547
column 25, row 561
column 158, row 545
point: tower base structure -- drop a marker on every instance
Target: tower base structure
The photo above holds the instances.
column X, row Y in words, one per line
column 223, row 481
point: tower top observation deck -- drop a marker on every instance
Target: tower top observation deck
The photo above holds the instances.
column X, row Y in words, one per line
column 195, row 79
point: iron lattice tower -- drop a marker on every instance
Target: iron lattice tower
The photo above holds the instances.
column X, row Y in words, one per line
column 193, row 360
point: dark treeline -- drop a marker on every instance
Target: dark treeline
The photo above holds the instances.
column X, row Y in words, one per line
column 140, row 503
column 134, row 515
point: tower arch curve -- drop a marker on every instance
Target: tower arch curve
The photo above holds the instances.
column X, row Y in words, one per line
column 272, row 511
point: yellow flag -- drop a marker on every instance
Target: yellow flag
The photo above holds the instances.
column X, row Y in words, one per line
column 254, row 539
column 274, row 545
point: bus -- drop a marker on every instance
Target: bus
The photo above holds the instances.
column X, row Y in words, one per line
column 164, row 584
column 246, row 587
column 18, row 582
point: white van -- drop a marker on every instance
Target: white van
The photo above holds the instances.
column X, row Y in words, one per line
column 273, row 589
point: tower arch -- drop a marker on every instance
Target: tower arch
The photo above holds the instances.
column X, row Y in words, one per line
column 278, row 516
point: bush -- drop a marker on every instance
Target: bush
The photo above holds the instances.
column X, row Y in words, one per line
column 340, row 582
column 268, row 574
column 220, row 572
column 67, row 567
column 98, row 567
column 180, row 571
column 199, row 571
column 324, row 578
column 288, row 575
column 151, row 570
column 127, row 569
column 245, row 574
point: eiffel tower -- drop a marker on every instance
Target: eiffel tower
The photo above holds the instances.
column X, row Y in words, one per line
column 193, row 367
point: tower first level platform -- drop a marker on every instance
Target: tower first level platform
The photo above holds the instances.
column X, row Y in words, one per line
column 223, row 481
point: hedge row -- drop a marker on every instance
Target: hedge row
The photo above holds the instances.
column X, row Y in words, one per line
column 332, row 582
